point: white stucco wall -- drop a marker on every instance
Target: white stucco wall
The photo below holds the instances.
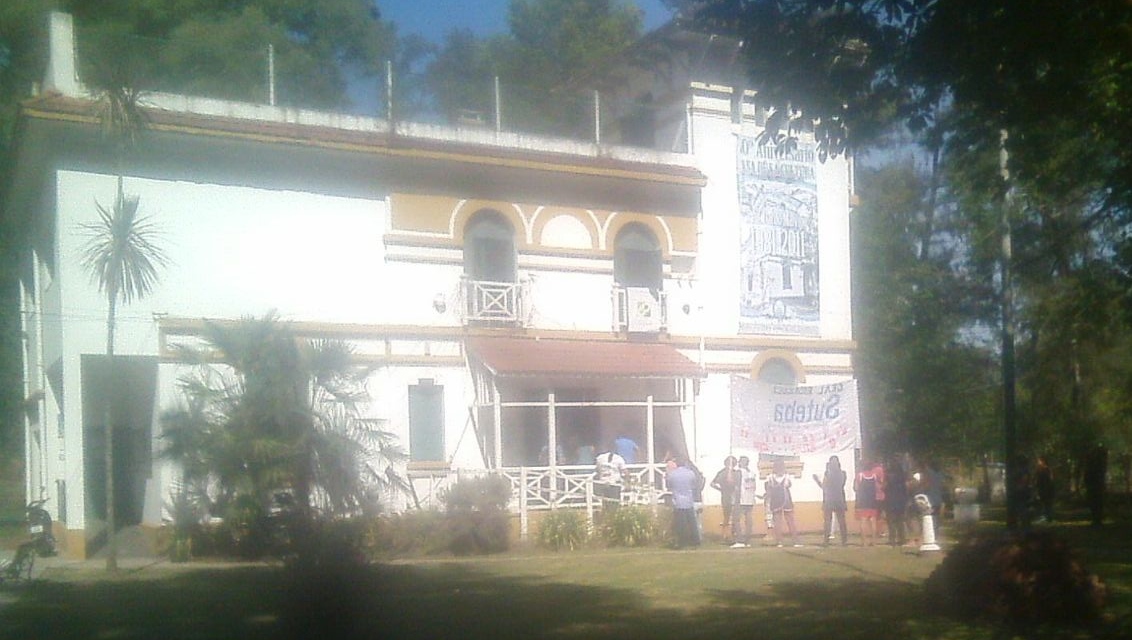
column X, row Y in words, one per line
column 234, row 252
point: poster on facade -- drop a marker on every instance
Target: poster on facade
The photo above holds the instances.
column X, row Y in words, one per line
column 794, row 420
column 778, row 236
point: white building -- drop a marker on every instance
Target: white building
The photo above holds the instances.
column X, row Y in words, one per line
column 499, row 283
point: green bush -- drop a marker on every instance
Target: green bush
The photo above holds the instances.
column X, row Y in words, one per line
column 1022, row 578
column 477, row 517
column 406, row 534
column 564, row 529
column 481, row 493
column 631, row 526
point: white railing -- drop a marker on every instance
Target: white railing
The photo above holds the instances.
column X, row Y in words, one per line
column 545, row 488
column 493, row 301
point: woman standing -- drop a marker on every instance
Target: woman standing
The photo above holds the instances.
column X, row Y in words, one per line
column 780, row 503
column 725, row 482
column 833, row 499
column 866, row 485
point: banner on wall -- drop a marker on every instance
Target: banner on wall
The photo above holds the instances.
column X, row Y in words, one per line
column 778, row 238
column 794, row 420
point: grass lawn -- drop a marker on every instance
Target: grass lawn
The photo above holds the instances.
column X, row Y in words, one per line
column 712, row 592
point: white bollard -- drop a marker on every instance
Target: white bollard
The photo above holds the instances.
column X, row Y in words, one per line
column 927, row 523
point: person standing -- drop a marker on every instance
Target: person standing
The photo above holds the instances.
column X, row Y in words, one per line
column 1043, row 483
column 865, row 485
column 781, row 503
column 726, row 482
column 833, row 504
column 896, row 503
column 741, row 514
column 681, row 482
column 627, row 448
column 610, row 473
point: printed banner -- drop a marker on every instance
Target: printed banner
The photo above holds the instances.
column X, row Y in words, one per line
column 794, row 420
column 778, row 236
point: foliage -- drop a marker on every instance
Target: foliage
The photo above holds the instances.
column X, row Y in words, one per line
column 556, row 53
column 629, row 526
column 477, row 518
column 205, row 48
column 1020, row 578
column 482, row 493
column 411, row 533
column 563, row 529
column 281, row 416
column 859, row 66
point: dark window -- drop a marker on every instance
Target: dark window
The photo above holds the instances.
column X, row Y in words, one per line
column 636, row 258
column 489, row 248
column 426, row 423
column 777, row 371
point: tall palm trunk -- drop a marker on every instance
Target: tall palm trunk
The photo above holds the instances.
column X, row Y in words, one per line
column 108, row 454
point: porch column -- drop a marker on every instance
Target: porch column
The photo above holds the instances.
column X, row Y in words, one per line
column 497, row 416
column 650, row 440
column 552, row 448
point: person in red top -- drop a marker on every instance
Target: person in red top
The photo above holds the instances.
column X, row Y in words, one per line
column 866, row 508
column 882, row 499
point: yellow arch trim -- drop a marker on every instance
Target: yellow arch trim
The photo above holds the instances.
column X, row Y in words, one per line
column 789, row 357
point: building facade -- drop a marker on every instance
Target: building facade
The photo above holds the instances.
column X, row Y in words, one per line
column 521, row 300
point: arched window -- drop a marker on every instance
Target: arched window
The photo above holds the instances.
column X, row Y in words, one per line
column 489, row 248
column 636, row 258
column 777, row 371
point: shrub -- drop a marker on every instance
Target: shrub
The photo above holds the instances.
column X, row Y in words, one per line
column 563, row 529
column 477, row 519
column 406, row 534
column 1023, row 578
column 630, row 526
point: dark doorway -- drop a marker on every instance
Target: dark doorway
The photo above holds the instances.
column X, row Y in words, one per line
column 122, row 389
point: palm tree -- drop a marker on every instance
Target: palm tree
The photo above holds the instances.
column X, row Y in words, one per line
column 122, row 254
column 283, row 414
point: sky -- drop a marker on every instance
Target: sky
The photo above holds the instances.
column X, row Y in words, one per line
column 435, row 18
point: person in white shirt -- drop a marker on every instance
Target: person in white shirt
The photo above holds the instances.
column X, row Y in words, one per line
column 745, row 496
column 610, row 472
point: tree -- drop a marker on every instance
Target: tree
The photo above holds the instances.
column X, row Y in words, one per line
column 927, row 383
column 282, row 414
column 555, row 55
column 861, row 66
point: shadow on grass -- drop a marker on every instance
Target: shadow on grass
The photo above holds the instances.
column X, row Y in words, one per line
column 462, row 600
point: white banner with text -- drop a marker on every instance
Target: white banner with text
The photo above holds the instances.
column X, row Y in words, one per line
column 794, row 420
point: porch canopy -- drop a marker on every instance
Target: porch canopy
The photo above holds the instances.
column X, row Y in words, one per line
column 590, row 390
column 504, row 357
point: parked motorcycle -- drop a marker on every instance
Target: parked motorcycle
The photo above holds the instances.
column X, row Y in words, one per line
column 39, row 528
column 41, row 542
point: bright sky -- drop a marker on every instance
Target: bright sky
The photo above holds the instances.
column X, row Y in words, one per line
column 435, row 18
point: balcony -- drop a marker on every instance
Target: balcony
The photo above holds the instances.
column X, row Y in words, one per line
column 497, row 303
column 639, row 310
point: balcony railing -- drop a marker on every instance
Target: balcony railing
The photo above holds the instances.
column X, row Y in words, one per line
column 493, row 302
column 639, row 310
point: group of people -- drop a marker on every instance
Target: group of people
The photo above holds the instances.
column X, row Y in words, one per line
column 883, row 500
column 738, row 486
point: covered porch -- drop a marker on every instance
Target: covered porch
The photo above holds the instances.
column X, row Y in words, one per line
column 544, row 408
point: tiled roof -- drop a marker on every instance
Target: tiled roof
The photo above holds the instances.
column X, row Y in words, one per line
column 589, row 358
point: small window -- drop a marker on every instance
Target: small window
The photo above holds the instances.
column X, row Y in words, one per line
column 637, row 260
column 426, row 423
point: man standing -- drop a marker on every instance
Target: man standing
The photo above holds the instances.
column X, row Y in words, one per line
column 681, row 481
column 741, row 515
column 627, row 448
column 609, row 472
